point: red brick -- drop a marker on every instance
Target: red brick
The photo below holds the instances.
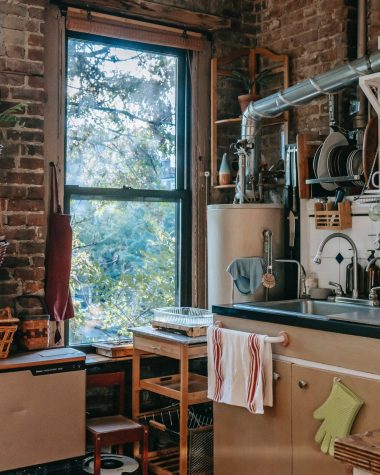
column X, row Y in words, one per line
column 13, row 9
column 35, row 110
column 36, row 54
column 38, row 261
column 33, row 123
column 30, row 274
column 7, row 163
column 32, row 248
column 29, row 94
column 30, row 163
column 9, row 191
column 32, row 287
column 26, row 205
column 9, row 288
column 36, row 40
column 25, row 178
column 21, row 234
column 14, row 51
column 35, row 219
column 11, row 79
column 28, row 136
column 38, row 13
column 15, row 261
column 35, row 193
column 35, row 81
column 27, row 67
column 16, row 220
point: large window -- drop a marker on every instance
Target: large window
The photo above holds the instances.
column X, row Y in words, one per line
column 125, row 184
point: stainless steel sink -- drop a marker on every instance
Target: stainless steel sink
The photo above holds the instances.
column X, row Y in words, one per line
column 317, row 308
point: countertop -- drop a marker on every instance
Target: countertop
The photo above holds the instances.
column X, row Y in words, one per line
column 312, row 322
column 151, row 332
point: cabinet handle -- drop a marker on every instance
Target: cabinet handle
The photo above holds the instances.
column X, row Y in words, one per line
column 155, row 347
column 302, row 384
column 276, row 376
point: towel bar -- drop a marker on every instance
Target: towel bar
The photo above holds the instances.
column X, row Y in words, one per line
column 282, row 338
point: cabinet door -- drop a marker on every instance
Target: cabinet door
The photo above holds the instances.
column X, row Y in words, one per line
column 248, row 444
column 307, row 457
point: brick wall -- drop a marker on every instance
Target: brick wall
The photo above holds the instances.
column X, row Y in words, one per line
column 22, row 160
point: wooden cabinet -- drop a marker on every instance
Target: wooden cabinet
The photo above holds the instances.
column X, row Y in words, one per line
column 225, row 123
column 310, row 388
column 248, row 444
column 281, row 442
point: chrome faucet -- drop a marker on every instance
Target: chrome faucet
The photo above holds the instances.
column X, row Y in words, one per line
column 300, row 276
column 318, row 258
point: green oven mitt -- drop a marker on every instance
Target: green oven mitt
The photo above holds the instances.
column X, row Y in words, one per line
column 338, row 413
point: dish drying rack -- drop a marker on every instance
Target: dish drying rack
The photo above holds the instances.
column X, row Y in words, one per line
column 190, row 321
column 370, row 84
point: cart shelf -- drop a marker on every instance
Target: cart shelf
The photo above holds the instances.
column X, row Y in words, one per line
column 170, row 386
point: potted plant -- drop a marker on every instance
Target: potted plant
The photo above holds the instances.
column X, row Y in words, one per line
column 249, row 84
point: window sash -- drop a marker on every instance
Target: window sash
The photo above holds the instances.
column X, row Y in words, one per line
column 181, row 195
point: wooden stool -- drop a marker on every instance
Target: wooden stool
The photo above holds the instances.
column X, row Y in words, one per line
column 115, row 430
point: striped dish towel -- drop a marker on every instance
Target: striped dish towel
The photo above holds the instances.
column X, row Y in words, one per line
column 240, row 369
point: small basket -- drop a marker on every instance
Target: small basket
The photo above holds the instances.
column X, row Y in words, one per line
column 335, row 220
column 33, row 331
column 7, row 331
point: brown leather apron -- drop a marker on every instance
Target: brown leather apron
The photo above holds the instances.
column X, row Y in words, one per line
column 58, row 259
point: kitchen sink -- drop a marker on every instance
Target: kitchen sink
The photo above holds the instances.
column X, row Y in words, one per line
column 317, row 308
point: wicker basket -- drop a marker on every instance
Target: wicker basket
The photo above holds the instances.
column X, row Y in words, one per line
column 8, row 327
column 33, row 331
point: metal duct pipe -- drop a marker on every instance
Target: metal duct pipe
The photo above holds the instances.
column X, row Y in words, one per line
column 360, row 119
column 306, row 91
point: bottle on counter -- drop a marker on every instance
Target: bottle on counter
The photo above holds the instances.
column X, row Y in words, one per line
column 350, row 277
column 372, row 274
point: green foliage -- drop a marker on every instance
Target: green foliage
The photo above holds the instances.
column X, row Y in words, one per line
column 10, row 115
column 120, row 132
column 244, row 79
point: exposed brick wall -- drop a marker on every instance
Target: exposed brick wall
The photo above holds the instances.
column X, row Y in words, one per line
column 22, row 160
column 317, row 35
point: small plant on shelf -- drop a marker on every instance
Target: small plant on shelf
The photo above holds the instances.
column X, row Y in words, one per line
column 249, row 84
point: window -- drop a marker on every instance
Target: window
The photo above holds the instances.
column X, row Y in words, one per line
column 126, row 183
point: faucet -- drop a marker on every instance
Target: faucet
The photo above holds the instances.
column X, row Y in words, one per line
column 318, row 258
column 301, row 272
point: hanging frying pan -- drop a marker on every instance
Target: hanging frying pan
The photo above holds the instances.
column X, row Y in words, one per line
column 370, row 142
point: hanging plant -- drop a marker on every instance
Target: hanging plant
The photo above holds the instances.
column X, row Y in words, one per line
column 10, row 116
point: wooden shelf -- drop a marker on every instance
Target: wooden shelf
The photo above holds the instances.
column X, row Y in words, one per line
column 165, row 464
column 170, row 386
column 221, row 68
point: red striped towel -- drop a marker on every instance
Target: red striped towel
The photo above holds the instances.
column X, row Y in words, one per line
column 240, row 369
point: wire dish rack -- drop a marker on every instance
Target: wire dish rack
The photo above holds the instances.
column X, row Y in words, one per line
column 190, row 321
column 164, row 434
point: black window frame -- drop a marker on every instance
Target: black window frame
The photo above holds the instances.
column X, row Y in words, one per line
column 182, row 192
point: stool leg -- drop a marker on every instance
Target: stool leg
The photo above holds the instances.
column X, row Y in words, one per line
column 144, row 455
column 97, row 458
column 120, row 449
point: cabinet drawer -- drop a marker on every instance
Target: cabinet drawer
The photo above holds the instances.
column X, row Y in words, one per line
column 158, row 347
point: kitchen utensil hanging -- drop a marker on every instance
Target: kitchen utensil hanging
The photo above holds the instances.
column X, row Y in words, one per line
column 268, row 279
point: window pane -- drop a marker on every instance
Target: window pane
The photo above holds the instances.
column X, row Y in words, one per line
column 121, row 116
column 123, row 265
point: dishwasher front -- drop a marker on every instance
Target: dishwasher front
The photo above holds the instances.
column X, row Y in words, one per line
column 42, row 407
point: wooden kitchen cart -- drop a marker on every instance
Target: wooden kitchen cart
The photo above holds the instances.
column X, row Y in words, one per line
column 187, row 388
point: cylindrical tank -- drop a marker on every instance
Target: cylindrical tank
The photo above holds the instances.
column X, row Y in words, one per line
column 237, row 231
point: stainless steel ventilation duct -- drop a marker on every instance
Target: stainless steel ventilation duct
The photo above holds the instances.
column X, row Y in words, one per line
column 304, row 92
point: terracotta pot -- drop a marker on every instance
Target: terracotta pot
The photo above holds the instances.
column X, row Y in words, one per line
column 245, row 99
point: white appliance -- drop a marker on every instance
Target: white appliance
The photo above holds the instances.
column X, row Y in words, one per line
column 42, row 407
column 237, row 231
